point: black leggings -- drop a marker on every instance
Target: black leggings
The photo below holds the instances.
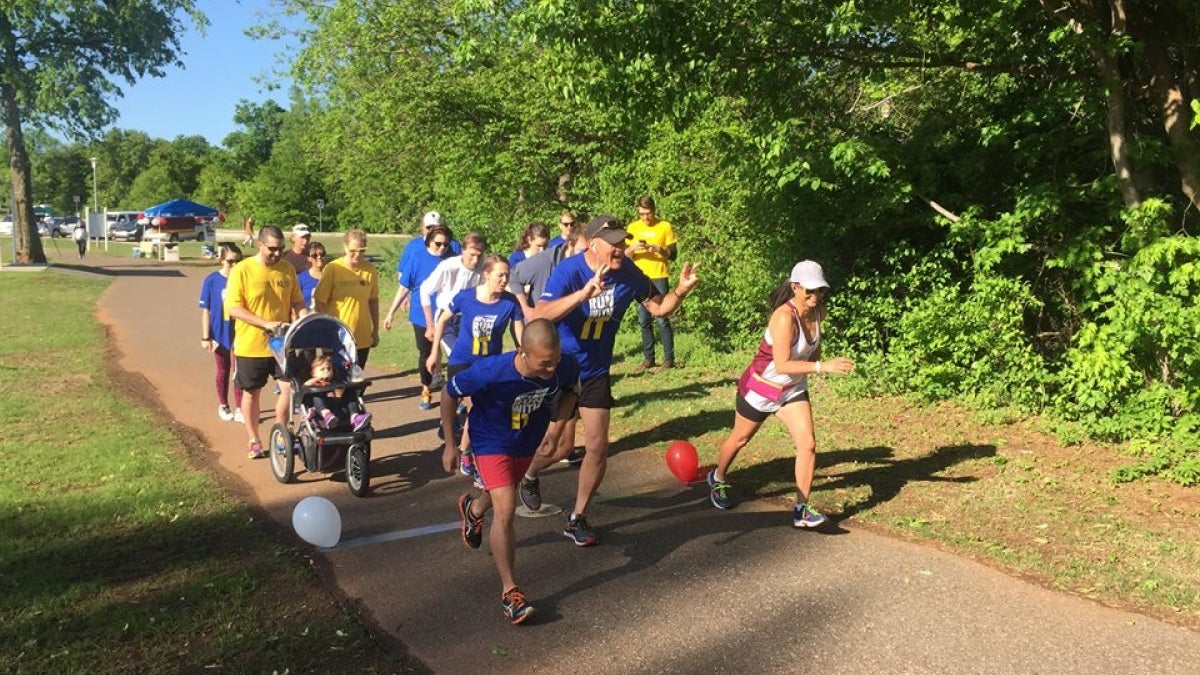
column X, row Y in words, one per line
column 424, row 349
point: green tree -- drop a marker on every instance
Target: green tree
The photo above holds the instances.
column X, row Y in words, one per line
column 56, row 61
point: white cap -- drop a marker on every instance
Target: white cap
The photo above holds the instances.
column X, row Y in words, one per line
column 301, row 230
column 809, row 275
column 431, row 219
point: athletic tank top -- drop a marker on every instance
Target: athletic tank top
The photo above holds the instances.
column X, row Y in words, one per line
column 762, row 368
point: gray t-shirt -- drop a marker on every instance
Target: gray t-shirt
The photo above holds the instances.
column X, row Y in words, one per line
column 532, row 273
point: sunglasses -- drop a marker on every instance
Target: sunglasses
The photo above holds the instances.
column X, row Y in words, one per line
column 567, row 223
column 317, row 255
column 274, row 249
column 232, row 261
column 357, row 250
column 438, row 244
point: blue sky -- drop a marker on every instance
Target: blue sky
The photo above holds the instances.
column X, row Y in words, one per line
column 221, row 68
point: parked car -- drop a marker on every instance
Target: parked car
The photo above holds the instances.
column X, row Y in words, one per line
column 6, row 225
column 66, row 227
column 126, row 230
column 181, row 228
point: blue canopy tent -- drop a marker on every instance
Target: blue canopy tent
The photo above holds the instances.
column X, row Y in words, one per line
column 181, row 208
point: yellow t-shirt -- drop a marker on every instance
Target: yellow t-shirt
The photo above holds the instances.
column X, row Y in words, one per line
column 268, row 292
column 660, row 234
column 346, row 293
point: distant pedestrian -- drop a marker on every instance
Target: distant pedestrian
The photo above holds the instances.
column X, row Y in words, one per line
column 216, row 331
column 776, row 382
column 565, row 221
column 81, row 237
column 521, row 397
column 248, row 231
column 651, row 246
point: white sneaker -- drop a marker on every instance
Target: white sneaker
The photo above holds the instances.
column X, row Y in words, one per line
column 225, row 413
column 237, row 416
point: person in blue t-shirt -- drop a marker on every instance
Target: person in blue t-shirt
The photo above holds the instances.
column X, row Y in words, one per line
column 416, row 270
column 216, row 331
column 414, row 245
column 522, row 399
column 587, row 296
column 310, row 277
column 566, row 221
column 485, row 312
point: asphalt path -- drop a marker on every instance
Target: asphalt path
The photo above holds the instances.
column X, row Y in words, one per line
column 674, row 587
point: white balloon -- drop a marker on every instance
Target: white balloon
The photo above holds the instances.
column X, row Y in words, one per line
column 317, row 521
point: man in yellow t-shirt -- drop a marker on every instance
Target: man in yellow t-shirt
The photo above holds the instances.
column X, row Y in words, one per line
column 349, row 290
column 261, row 295
column 651, row 245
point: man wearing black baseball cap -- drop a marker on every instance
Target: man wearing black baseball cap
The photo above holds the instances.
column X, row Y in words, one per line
column 587, row 296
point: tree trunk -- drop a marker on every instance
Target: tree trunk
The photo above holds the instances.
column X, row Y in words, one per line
column 1176, row 116
column 25, row 235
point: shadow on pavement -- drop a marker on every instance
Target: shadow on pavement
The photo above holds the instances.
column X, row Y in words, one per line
column 884, row 478
column 122, row 271
column 690, row 426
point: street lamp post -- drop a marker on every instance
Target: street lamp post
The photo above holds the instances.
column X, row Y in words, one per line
column 95, row 193
column 76, row 197
column 320, row 215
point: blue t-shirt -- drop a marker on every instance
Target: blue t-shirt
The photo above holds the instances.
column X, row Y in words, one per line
column 308, row 284
column 516, row 257
column 418, row 244
column 482, row 325
column 212, row 298
column 510, row 412
column 589, row 331
column 556, row 241
column 417, row 269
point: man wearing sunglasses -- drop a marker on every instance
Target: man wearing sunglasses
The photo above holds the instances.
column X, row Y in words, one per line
column 587, row 295
column 262, row 295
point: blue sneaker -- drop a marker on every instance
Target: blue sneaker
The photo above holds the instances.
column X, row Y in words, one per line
column 718, row 492
column 516, row 608
column 579, row 532
column 806, row 517
column 530, row 492
column 426, row 401
column 466, row 463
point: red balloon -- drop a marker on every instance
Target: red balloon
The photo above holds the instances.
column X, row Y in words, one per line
column 683, row 460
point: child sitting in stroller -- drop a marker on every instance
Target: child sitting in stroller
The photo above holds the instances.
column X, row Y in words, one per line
column 324, row 405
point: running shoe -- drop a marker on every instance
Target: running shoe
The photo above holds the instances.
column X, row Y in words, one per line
column 579, row 532
column 360, row 420
column 461, row 409
column 238, row 417
column 530, row 491
column 256, row 450
column 472, row 527
column 575, row 458
column 466, row 463
column 426, row 401
column 329, row 419
column 718, row 492
column 225, row 413
column 806, row 517
column 516, row 608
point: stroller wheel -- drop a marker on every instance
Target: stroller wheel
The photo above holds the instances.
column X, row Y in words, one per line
column 358, row 469
column 283, row 453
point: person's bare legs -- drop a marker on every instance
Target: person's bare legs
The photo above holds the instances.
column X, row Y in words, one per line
column 797, row 417
column 743, row 430
column 283, row 404
column 446, row 407
column 250, row 412
column 595, row 457
column 503, row 537
column 547, row 456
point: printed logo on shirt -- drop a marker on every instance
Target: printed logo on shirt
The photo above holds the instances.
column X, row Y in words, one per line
column 600, row 311
column 481, row 331
column 526, row 404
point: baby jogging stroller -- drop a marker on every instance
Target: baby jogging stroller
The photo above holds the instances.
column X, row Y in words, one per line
column 320, row 449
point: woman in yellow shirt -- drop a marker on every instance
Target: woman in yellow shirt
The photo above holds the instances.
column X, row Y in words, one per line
column 349, row 290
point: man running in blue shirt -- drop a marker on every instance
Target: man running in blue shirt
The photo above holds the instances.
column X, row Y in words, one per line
column 587, row 296
column 520, row 398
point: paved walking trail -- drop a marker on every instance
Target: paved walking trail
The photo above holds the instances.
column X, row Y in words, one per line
column 675, row 586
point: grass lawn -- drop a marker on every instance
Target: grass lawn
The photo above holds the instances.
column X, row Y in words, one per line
column 118, row 555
